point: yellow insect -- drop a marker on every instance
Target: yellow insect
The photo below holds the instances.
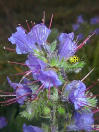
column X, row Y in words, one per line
column 74, row 59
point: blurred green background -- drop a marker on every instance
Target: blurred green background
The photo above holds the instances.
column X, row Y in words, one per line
column 14, row 12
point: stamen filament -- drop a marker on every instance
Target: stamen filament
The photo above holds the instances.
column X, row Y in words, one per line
column 51, row 21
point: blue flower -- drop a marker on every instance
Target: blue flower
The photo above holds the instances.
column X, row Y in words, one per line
column 40, row 72
column 94, row 20
column 75, row 27
column 80, row 36
column 40, row 33
column 49, row 78
column 26, row 43
column 67, row 46
column 76, row 93
column 3, row 122
column 80, row 19
column 23, row 41
column 83, row 120
column 31, row 128
column 35, row 64
column 97, row 31
column 22, row 91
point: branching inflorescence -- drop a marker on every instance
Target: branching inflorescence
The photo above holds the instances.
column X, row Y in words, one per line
column 46, row 83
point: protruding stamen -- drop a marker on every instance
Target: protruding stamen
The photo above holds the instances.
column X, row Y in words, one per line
column 22, row 73
column 28, row 73
column 87, row 74
column 11, row 101
column 43, row 19
column 94, row 83
column 51, row 21
column 28, row 25
column 39, row 88
column 95, row 111
column 85, row 41
column 8, row 95
column 32, row 23
column 9, row 49
column 6, row 92
column 17, row 63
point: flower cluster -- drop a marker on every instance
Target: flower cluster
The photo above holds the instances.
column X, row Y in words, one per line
column 48, row 65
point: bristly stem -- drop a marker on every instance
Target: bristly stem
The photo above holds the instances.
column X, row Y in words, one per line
column 54, row 124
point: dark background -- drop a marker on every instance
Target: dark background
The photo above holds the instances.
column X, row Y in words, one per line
column 13, row 12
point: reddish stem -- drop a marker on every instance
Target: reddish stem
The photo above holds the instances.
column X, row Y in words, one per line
column 51, row 21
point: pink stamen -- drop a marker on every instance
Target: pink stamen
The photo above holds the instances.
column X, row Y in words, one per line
column 31, row 99
column 43, row 19
column 5, row 92
column 9, row 49
column 96, row 127
column 95, row 111
column 33, row 82
column 94, row 95
column 94, row 83
column 51, row 21
column 13, row 100
column 32, row 23
column 39, row 88
column 27, row 74
column 84, row 103
column 84, row 42
column 17, row 63
column 22, row 73
column 28, row 25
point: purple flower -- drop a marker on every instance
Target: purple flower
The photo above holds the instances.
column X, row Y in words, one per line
column 83, row 120
column 40, row 72
column 40, row 33
column 97, row 31
column 94, row 20
column 25, row 43
column 31, row 128
column 80, row 19
column 3, row 122
column 76, row 93
column 14, row 85
column 49, row 78
column 75, row 27
column 67, row 46
column 35, row 64
column 80, row 36
column 22, row 91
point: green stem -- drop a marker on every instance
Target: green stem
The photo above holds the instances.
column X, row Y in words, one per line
column 54, row 125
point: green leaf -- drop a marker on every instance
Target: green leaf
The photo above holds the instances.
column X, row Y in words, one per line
column 61, row 110
column 53, row 46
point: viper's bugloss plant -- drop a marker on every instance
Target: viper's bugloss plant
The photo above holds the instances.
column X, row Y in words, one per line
column 44, row 91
